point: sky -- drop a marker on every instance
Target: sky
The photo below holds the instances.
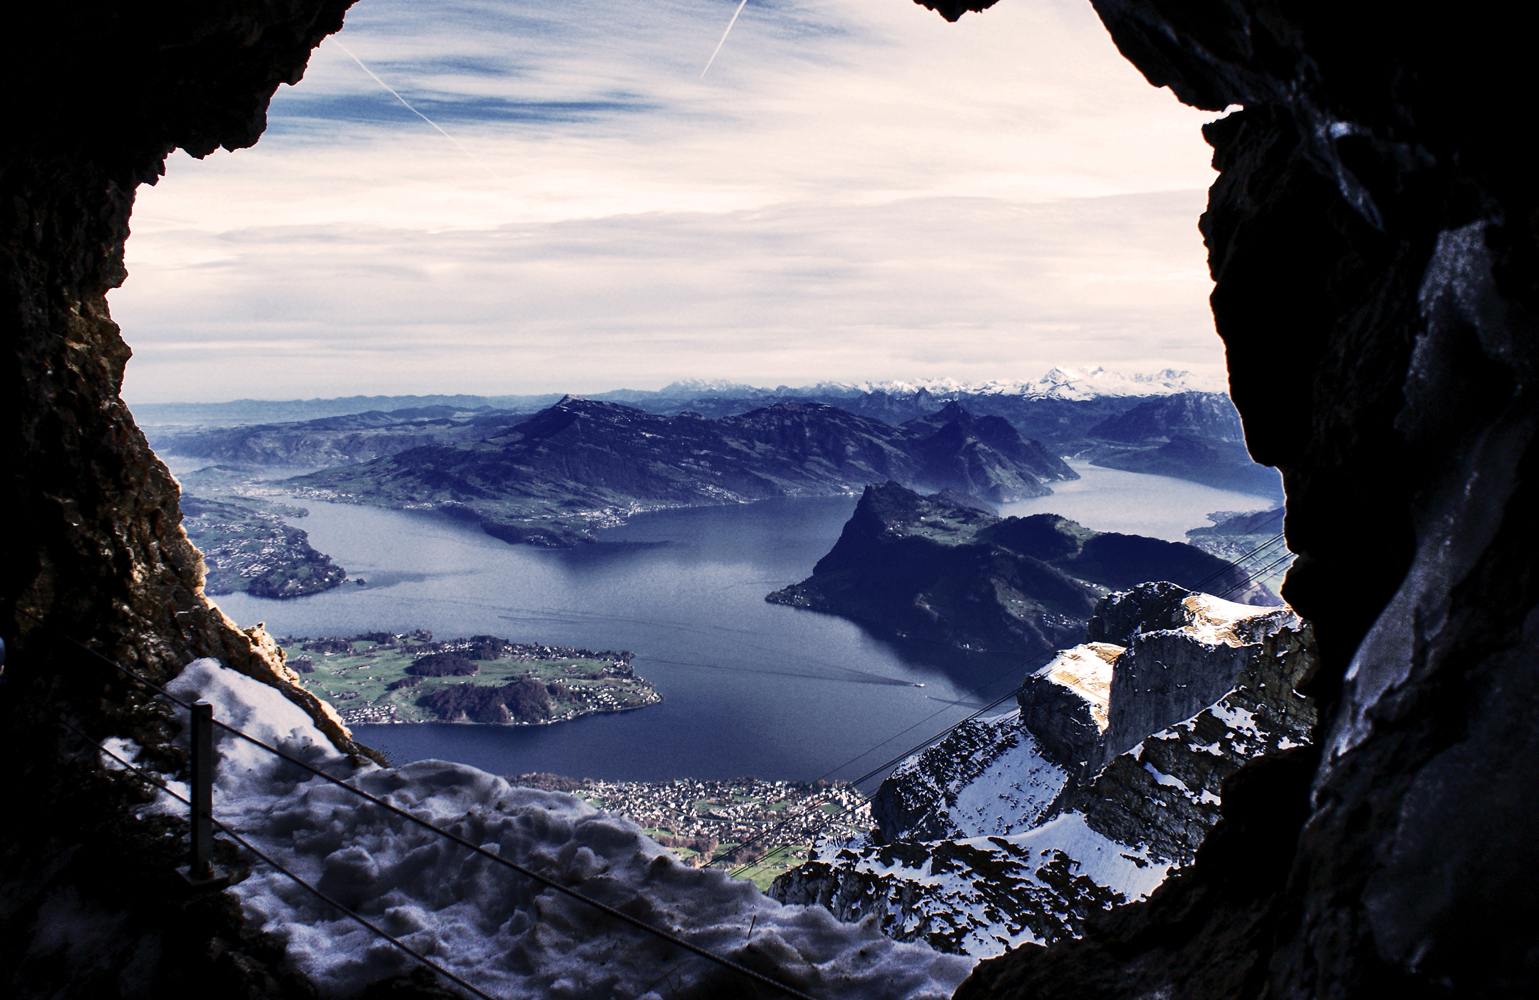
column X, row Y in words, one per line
column 856, row 190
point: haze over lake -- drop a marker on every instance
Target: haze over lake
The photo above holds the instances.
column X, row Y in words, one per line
column 749, row 688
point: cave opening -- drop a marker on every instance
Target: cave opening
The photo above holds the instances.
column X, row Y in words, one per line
column 1371, row 235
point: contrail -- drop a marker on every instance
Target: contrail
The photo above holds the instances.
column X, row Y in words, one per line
column 424, row 117
column 708, row 62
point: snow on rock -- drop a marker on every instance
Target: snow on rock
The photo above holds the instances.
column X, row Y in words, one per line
column 988, row 777
column 980, row 896
column 1066, row 703
column 1079, row 383
column 1009, row 830
column 493, row 927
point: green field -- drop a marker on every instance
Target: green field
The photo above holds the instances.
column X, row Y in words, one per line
column 365, row 678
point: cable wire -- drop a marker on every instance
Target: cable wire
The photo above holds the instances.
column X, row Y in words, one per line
column 867, row 800
column 160, row 783
column 739, row 871
column 545, row 880
column 1235, row 563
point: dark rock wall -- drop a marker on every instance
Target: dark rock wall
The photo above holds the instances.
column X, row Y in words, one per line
column 101, row 94
column 98, row 94
column 1372, row 235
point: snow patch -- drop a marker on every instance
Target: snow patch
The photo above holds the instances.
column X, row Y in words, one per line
column 1212, row 620
column 1010, row 794
column 1161, row 778
column 491, row 926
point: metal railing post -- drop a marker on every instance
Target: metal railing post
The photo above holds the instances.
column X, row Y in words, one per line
column 202, row 790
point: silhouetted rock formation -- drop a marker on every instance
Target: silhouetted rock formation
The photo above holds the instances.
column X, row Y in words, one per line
column 930, row 569
column 98, row 95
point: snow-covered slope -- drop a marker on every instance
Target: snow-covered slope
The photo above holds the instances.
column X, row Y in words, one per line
column 1010, row 830
column 487, row 924
column 987, row 778
column 979, row 896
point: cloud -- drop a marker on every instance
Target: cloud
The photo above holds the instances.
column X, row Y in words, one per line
column 857, row 189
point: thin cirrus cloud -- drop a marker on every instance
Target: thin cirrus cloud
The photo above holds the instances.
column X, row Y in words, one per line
column 856, row 190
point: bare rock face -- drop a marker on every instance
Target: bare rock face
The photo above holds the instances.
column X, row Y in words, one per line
column 1065, row 704
column 1166, row 675
column 94, row 552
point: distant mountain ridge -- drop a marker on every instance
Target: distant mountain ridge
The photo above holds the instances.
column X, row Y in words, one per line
column 553, row 477
column 1155, row 424
column 1195, row 436
column 1070, row 384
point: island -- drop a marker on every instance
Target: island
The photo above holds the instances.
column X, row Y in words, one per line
column 384, row 677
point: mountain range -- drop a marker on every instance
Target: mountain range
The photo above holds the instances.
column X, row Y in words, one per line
column 1149, row 424
column 1192, row 435
column 553, row 477
column 1061, row 384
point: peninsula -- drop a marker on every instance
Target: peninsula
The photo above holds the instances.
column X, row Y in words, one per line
column 943, row 569
column 381, row 677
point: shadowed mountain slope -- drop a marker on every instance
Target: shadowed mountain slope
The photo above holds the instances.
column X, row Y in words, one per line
column 583, row 463
column 931, row 569
column 1194, row 436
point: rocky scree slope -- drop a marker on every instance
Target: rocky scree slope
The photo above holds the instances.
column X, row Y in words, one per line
column 581, row 464
column 933, row 569
column 1018, row 828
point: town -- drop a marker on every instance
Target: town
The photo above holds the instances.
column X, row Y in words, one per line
column 753, row 828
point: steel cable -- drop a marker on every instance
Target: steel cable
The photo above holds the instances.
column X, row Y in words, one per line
column 545, row 880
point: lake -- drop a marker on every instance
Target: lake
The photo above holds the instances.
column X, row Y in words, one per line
column 749, row 688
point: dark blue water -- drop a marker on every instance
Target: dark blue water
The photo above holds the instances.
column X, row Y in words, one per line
column 748, row 687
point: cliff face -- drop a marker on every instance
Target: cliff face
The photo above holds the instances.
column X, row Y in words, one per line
column 1372, row 235
column 99, row 94
column 1012, row 830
